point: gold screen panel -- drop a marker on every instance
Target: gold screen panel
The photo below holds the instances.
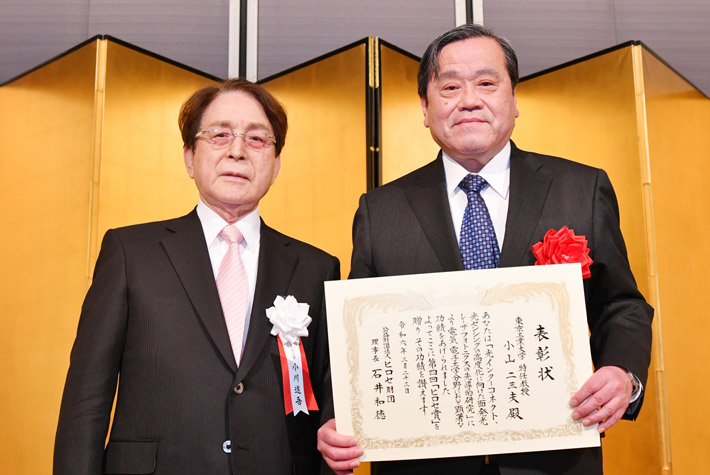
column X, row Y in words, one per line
column 91, row 143
column 45, row 176
column 586, row 112
column 678, row 120
column 143, row 176
column 406, row 143
column 323, row 166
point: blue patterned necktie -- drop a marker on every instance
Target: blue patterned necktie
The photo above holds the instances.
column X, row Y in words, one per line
column 478, row 244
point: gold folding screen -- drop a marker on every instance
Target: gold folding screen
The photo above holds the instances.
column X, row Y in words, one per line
column 406, row 143
column 587, row 112
column 323, row 166
column 143, row 176
column 677, row 160
column 627, row 112
column 90, row 142
column 45, row 181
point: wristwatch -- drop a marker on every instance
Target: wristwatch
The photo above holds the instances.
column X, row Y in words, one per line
column 634, row 383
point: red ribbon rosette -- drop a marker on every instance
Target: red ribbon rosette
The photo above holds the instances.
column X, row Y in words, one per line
column 563, row 247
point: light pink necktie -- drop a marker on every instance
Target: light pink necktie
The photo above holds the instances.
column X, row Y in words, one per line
column 232, row 288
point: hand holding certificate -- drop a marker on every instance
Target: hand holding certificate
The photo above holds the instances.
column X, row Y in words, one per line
column 460, row 363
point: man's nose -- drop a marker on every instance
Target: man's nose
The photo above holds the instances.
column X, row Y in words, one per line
column 237, row 149
column 470, row 98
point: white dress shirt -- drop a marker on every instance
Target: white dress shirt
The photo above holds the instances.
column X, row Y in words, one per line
column 496, row 195
column 250, row 227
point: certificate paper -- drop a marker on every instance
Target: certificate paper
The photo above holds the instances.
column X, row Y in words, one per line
column 460, row 363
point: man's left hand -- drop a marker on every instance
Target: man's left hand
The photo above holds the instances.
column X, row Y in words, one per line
column 603, row 398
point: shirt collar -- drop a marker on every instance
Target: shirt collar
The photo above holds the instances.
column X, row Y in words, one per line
column 212, row 224
column 496, row 172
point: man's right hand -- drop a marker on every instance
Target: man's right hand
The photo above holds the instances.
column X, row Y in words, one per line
column 340, row 452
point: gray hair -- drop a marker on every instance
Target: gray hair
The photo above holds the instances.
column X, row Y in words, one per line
column 429, row 65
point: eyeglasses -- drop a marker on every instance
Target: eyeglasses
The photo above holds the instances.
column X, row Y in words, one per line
column 222, row 137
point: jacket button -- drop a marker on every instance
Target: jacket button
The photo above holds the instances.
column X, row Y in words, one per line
column 227, row 446
column 239, row 388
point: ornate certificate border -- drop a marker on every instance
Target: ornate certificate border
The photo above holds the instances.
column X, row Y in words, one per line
column 356, row 308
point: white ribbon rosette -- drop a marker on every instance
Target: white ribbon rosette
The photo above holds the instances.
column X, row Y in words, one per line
column 290, row 319
column 290, row 322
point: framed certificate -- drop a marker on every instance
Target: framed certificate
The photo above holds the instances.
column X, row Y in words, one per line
column 460, row 363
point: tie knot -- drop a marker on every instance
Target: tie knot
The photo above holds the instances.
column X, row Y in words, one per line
column 473, row 182
column 232, row 234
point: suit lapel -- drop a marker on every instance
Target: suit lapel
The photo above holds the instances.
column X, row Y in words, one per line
column 276, row 266
column 529, row 186
column 427, row 197
column 187, row 251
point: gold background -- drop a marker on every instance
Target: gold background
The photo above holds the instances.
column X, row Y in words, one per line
column 142, row 174
column 91, row 142
column 45, row 177
column 323, row 168
column 678, row 121
column 406, row 143
column 587, row 112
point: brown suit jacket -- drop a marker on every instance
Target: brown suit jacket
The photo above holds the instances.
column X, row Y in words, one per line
column 152, row 318
column 405, row 227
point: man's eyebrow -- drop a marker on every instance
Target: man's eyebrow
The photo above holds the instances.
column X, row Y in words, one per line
column 219, row 123
column 456, row 74
column 231, row 125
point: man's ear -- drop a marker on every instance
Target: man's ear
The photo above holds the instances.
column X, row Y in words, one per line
column 188, row 155
column 425, row 109
column 277, row 167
